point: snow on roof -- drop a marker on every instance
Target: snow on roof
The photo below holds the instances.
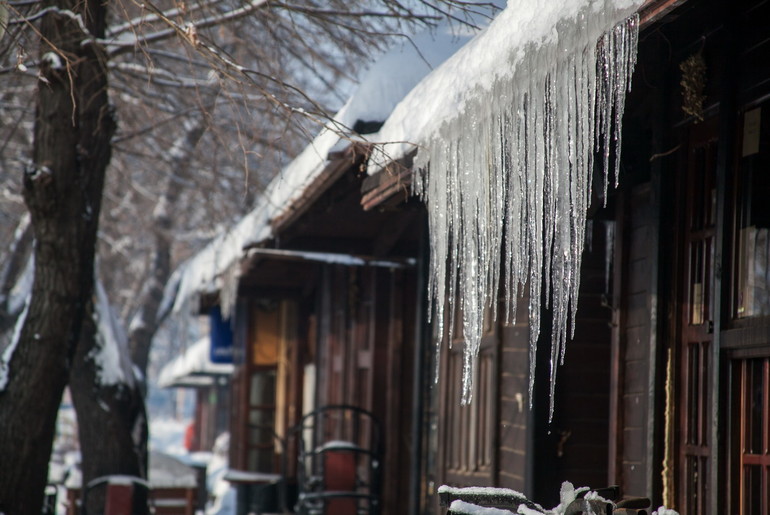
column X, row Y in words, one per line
column 488, row 58
column 193, row 368
column 383, row 86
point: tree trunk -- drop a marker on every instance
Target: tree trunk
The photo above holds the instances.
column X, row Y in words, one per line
column 112, row 424
column 62, row 189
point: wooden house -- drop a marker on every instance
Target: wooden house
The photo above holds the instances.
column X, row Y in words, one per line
column 665, row 389
column 666, row 384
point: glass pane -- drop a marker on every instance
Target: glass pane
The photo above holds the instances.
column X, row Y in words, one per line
column 262, row 390
column 752, row 489
column 697, row 286
column 693, row 474
column 261, row 423
column 697, row 214
column 266, row 335
column 753, row 289
column 260, row 460
column 754, row 403
column 693, row 394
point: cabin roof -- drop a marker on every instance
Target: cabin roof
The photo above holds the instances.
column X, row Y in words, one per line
column 382, row 87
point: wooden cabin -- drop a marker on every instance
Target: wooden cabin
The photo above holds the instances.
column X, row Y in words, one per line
column 666, row 386
column 326, row 316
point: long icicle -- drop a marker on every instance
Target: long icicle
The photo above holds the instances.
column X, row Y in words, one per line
column 509, row 183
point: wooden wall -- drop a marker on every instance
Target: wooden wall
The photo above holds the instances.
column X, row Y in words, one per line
column 365, row 358
column 515, row 450
column 633, row 300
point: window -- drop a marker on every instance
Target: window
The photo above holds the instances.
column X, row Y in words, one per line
column 752, row 385
column 261, row 385
column 751, row 240
column 468, row 431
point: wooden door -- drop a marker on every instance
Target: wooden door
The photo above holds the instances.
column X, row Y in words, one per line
column 698, row 229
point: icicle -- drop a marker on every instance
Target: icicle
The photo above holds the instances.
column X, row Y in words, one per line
column 510, row 182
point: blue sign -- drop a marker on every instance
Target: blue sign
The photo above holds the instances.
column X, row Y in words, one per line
column 221, row 337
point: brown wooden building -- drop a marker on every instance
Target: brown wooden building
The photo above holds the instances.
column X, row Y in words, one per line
column 326, row 316
column 666, row 386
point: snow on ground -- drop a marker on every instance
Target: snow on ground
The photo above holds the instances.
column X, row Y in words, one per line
column 167, row 435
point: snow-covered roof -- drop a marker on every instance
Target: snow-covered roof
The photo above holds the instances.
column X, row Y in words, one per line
column 383, row 86
column 487, row 59
column 193, row 368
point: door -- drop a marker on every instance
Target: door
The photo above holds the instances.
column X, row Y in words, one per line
column 697, row 229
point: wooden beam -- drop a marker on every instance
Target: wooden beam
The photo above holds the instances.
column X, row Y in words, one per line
column 653, row 10
column 340, row 163
column 332, row 258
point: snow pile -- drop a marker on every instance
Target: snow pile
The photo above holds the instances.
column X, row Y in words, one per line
column 665, row 511
column 216, row 267
column 506, row 497
column 169, row 472
column 472, row 509
column 222, row 495
column 506, row 131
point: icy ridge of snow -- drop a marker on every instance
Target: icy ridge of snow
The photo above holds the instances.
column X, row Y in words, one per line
column 479, row 490
column 567, row 495
column 464, row 507
column 217, row 266
column 23, row 287
column 506, row 130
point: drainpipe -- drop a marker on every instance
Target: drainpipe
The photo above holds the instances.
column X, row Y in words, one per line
column 415, row 486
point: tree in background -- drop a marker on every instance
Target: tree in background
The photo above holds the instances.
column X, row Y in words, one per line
column 205, row 102
column 62, row 188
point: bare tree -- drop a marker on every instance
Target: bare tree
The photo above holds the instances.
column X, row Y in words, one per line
column 62, row 189
column 261, row 72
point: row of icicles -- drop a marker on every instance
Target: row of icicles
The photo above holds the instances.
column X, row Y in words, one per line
column 509, row 181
